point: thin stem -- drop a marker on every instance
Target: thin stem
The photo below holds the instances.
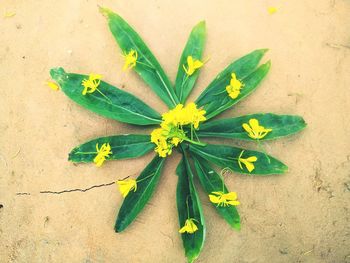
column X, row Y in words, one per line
column 86, row 153
column 148, row 176
column 145, row 65
column 194, row 142
column 104, row 96
column 188, row 209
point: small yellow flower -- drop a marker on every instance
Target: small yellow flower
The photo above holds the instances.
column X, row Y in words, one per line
column 91, row 84
column 189, row 227
column 234, row 89
column 248, row 162
column 102, row 153
column 222, row 199
column 192, row 65
column 127, row 185
column 195, row 115
column 9, row 14
column 176, row 141
column 272, row 10
column 254, row 130
column 53, row 85
column 130, row 59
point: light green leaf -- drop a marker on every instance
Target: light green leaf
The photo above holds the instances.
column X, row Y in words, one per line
column 107, row 101
column 212, row 182
column 215, row 98
column 188, row 206
column 194, row 48
column 122, row 146
column 227, row 157
column 134, row 202
column 281, row 125
column 147, row 66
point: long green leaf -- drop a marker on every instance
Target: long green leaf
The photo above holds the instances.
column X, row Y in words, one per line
column 194, row 48
column 281, row 125
column 147, row 65
column 212, row 182
column 215, row 99
column 134, row 202
column 122, row 146
column 107, row 101
column 188, row 206
column 227, row 157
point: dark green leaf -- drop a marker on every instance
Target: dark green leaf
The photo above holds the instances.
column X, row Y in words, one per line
column 188, row 206
column 112, row 103
column 281, row 125
column 194, row 48
column 215, row 99
column 212, row 182
column 134, row 202
column 147, row 65
column 123, row 147
column 227, row 157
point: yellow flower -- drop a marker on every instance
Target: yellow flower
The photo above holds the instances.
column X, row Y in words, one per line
column 254, row 130
column 127, row 185
column 102, row 153
column 53, row 85
column 171, row 132
column 192, row 65
column 224, row 199
column 234, row 89
column 195, row 115
column 130, row 59
column 189, row 227
column 176, row 141
column 9, row 14
column 272, row 10
column 174, row 116
column 248, row 162
column 91, row 84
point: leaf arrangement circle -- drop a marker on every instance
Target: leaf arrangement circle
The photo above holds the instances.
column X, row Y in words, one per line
column 184, row 130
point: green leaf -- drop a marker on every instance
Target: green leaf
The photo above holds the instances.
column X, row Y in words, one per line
column 188, row 206
column 281, row 125
column 227, row 157
column 194, row 48
column 107, row 101
column 212, row 182
column 134, row 202
column 147, row 66
column 215, row 99
column 122, row 146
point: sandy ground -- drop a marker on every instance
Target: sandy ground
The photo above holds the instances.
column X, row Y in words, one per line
column 302, row 216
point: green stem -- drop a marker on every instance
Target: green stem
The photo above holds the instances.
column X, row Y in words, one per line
column 148, row 176
column 194, row 142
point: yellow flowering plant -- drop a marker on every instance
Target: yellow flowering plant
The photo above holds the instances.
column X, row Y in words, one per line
column 180, row 129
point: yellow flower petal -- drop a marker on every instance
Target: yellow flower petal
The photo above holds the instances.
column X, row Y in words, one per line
column 271, row 10
column 102, row 153
column 130, row 59
column 53, row 85
column 190, row 227
column 127, row 185
column 91, row 84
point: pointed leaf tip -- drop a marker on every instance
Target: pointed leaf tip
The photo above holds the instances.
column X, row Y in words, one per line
column 105, row 11
column 57, row 74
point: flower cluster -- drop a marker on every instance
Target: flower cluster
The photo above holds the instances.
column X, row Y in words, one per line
column 171, row 131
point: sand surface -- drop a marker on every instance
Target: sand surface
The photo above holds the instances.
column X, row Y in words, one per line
column 302, row 216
